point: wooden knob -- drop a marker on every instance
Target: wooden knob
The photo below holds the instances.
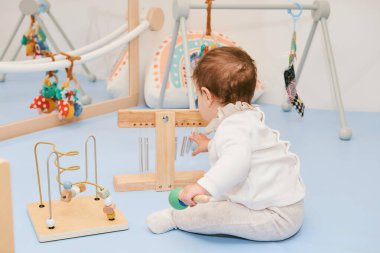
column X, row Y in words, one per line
column 155, row 18
column 200, row 199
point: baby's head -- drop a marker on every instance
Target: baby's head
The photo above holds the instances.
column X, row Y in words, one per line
column 224, row 75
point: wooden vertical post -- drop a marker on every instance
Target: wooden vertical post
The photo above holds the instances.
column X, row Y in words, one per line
column 165, row 148
column 6, row 214
column 133, row 48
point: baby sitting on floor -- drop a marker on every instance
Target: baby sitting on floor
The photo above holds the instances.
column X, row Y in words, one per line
column 254, row 181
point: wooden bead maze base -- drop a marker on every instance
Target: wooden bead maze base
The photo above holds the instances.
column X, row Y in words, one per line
column 80, row 217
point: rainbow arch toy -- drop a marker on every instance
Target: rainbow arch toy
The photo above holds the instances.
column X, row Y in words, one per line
column 176, row 91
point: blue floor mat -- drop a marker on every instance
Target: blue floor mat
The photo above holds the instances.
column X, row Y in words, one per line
column 341, row 177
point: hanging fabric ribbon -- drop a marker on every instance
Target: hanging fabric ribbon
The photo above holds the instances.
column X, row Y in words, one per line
column 289, row 74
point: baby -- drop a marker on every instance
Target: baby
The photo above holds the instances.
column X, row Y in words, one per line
column 254, row 180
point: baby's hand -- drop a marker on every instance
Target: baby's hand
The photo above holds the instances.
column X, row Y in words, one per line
column 190, row 191
column 202, row 142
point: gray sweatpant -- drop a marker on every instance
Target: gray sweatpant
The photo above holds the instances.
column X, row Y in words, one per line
column 224, row 217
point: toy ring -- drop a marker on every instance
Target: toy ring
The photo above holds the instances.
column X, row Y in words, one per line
column 296, row 16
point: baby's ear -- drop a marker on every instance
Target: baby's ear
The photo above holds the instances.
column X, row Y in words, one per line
column 209, row 96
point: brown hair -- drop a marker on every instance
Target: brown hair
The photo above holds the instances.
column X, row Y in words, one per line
column 229, row 73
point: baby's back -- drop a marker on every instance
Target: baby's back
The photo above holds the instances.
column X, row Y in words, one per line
column 274, row 177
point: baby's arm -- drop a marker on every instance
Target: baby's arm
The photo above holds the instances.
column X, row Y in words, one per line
column 233, row 147
column 190, row 191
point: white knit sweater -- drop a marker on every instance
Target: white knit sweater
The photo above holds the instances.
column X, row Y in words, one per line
column 248, row 163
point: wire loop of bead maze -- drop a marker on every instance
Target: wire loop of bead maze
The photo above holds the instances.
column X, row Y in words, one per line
column 164, row 121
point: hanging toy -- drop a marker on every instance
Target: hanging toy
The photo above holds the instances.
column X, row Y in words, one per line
column 45, row 102
column 52, row 96
column 34, row 40
column 42, row 104
column 289, row 74
column 207, row 42
column 66, row 107
column 68, row 104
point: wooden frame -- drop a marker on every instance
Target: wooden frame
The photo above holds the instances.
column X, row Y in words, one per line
column 165, row 178
column 23, row 127
column 6, row 214
column 51, row 120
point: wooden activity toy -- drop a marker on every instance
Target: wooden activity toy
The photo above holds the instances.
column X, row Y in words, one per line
column 176, row 203
column 73, row 215
column 165, row 121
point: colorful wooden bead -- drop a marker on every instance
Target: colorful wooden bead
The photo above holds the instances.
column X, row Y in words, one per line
column 111, row 216
column 109, row 209
column 103, row 193
column 50, row 223
column 108, row 201
column 75, row 191
column 66, row 195
column 67, row 185
column 82, row 187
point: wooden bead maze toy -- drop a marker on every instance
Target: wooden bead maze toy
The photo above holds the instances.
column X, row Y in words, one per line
column 165, row 121
column 73, row 215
